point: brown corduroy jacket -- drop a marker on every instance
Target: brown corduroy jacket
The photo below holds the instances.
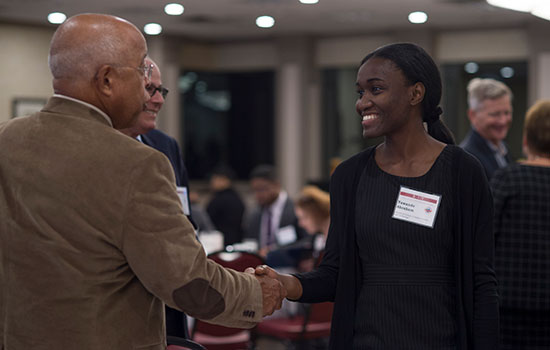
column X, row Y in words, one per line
column 93, row 240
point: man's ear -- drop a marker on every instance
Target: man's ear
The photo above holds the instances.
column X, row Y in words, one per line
column 471, row 115
column 418, row 92
column 104, row 80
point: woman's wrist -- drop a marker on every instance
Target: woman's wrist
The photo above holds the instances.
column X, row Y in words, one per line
column 293, row 287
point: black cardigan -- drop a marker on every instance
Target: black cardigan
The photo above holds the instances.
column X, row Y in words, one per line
column 339, row 276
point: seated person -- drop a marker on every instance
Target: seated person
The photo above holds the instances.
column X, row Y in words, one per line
column 313, row 212
column 226, row 208
column 272, row 223
column 312, row 208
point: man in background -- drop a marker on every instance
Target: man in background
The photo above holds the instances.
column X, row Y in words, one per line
column 144, row 130
column 273, row 222
column 490, row 115
column 93, row 238
column 226, row 208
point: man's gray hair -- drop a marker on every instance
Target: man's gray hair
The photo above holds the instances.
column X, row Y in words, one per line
column 480, row 90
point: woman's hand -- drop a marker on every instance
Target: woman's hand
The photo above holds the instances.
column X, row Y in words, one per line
column 291, row 283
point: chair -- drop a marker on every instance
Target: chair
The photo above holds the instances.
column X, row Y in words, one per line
column 215, row 337
column 300, row 330
column 176, row 343
column 297, row 332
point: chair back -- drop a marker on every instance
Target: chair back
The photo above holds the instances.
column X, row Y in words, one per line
column 320, row 312
column 177, row 343
column 215, row 337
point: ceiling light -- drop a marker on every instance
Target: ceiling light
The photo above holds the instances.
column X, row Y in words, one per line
column 539, row 8
column 542, row 11
column 173, row 9
column 56, row 18
column 523, row 6
column 152, row 29
column 265, row 21
column 471, row 67
column 507, row 72
column 309, row 1
column 418, row 17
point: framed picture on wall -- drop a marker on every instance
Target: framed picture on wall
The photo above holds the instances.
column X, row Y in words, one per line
column 23, row 106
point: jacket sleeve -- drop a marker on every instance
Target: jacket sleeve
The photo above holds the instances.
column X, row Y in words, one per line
column 486, row 314
column 160, row 246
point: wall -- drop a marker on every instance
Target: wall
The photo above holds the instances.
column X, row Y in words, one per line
column 24, row 68
column 25, row 73
column 460, row 46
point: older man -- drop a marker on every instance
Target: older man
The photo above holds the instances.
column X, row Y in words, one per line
column 490, row 114
column 93, row 238
column 144, row 130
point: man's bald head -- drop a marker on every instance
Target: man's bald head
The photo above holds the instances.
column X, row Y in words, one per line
column 84, row 42
column 99, row 59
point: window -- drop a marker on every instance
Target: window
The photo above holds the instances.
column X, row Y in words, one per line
column 228, row 120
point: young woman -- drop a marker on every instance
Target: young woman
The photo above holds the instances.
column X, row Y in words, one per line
column 409, row 255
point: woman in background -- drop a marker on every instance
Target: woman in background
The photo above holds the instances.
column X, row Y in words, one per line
column 312, row 208
column 522, row 236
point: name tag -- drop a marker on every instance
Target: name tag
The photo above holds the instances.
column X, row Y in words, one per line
column 184, row 198
column 416, row 207
column 286, row 235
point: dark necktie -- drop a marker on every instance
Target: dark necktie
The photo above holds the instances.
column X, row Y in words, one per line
column 269, row 233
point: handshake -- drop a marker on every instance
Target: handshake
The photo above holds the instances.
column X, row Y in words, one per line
column 275, row 287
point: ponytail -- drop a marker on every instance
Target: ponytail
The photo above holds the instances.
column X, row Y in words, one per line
column 437, row 129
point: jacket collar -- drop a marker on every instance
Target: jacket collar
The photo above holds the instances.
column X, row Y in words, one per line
column 69, row 105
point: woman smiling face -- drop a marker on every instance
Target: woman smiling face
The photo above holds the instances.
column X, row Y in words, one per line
column 385, row 95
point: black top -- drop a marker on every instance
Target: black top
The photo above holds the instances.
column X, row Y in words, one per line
column 226, row 210
column 407, row 298
column 338, row 278
column 522, row 236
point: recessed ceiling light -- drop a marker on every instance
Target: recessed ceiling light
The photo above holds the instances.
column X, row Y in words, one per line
column 173, row 9
column 507, row 72
column 56, row 18
column 418, row 17
column 471, row 67
column 309, row 1
column 152, row 29
column 265, row 21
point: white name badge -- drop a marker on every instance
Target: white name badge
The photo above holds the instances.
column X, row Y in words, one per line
column 184, row 198
column 286, row 235
column 417, row 207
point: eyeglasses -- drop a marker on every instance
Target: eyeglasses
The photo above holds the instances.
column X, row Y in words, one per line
column 146, row 70
column 152, row 90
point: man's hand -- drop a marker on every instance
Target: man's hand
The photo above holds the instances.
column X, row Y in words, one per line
column 273, row 292
column 291, row 284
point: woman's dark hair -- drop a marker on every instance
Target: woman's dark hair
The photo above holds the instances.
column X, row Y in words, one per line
column 418, row 66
